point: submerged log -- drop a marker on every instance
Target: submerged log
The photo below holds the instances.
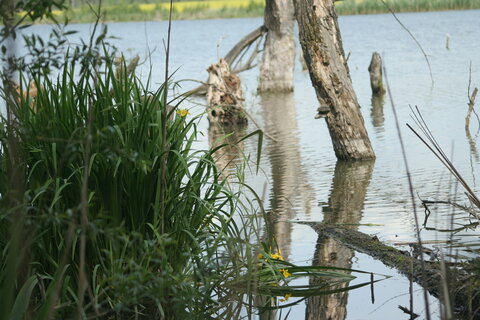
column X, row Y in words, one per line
column 376, row 78
column 465, row 299
column 224, row 96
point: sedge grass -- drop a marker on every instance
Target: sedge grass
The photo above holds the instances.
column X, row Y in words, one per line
column 130, row 265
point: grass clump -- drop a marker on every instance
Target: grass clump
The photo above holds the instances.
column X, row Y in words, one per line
column 100, row 134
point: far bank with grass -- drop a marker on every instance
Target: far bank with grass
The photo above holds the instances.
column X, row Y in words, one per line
column 211, row 9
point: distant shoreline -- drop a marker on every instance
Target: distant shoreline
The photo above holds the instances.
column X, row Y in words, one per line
column 215, row 9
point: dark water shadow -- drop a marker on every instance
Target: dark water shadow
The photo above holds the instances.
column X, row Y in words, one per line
column 345, row 206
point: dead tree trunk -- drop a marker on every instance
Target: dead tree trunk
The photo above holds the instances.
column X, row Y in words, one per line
column 376, row 76
column 322, row 48
column 278, row 62
column 224, row 96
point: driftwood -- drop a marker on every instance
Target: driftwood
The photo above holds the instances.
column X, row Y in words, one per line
column 245, row 42
column 224, row 96
column 232, row 56
column 376, row 79
column 466, row 299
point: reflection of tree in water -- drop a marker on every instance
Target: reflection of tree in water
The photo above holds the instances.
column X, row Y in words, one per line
column 289, row 186
column 345, row 205
column 377, row 111
column 230, row 156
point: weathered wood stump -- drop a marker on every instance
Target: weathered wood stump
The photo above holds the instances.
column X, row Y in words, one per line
column 224, row 96
column 376, row 78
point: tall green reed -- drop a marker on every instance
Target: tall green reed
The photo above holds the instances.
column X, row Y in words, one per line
column 130, row 265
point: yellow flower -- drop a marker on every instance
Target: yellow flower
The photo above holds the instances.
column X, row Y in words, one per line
column 285, row 273
column 277, row 256
column 285, row 297
column 182, row 112
column 260, row 256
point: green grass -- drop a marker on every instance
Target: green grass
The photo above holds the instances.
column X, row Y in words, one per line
column 348, row 7
column 138, row 11
column 131, row 266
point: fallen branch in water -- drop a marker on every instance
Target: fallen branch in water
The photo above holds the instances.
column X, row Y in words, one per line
column 431, row 278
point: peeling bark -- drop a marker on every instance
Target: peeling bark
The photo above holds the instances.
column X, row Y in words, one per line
column 278, row 62
column 224, row 96
column 322, row 48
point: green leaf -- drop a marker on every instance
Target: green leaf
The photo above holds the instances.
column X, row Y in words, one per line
column 22, row 301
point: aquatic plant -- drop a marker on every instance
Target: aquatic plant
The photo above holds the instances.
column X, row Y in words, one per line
column 104, row 133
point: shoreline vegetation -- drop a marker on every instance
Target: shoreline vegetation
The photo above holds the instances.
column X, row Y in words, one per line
column 117, row 11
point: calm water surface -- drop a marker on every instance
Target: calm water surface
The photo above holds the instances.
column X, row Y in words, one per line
column 301, row 179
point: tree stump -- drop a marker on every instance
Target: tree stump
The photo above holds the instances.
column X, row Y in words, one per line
column 224, row 96
column 376, row 78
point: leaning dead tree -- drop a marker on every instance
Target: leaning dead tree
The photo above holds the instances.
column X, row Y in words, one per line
column 278, row 62
column 322, row 48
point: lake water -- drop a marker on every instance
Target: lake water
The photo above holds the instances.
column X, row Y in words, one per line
column 300, row 177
